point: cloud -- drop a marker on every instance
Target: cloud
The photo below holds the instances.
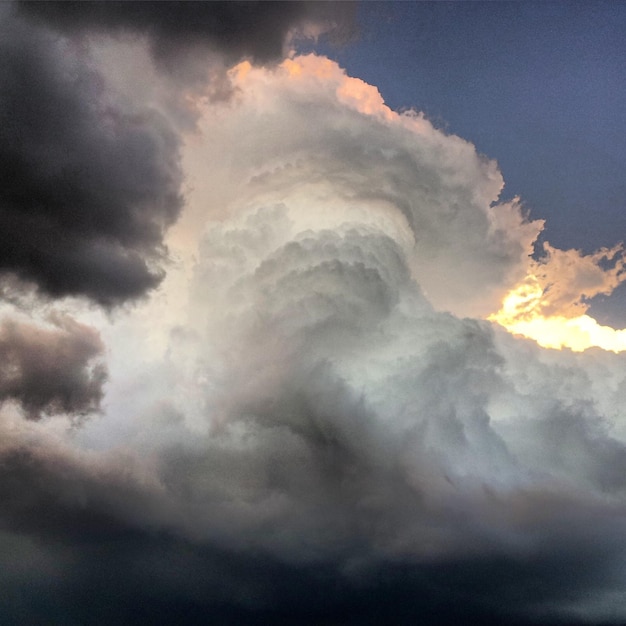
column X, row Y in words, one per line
column 92, row 172
column 398, row 173
column 326, row 436
column 549, row 305
column 570, row 279
column 91, row 182
column 260, row 31
column 51, row 369
column 352, row 424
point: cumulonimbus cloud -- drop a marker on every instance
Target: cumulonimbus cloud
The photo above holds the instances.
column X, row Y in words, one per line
column 327, row 436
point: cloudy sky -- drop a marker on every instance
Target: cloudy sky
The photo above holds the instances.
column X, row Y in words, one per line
column 311, row 313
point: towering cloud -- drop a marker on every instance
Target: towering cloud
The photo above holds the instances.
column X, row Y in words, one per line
column 351, row 160
column 326, row 437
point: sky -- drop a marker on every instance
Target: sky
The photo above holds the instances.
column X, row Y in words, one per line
column 535, row 85
column 311, row 313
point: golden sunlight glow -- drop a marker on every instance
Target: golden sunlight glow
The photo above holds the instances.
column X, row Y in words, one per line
column 521, row 313
column 241, row 70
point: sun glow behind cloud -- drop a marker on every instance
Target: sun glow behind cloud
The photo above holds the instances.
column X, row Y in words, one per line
column 550, row 304
column 520, row 314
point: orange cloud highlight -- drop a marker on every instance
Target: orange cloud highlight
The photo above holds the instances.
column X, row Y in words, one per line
column 550, row 304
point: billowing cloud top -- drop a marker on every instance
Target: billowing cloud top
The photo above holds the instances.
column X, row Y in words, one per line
column 348, row 158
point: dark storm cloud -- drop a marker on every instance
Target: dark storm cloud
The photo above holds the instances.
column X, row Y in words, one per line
column 91, row 181
column 71, row 558
column 88, row 184
column 51, row 370
column 256, row 30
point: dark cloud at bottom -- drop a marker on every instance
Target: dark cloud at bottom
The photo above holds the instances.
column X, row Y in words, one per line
column 132, row 578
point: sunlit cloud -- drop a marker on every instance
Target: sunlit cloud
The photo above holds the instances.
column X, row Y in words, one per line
column 550, row 304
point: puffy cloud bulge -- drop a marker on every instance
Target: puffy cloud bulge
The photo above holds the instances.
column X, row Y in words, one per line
column 353, row 159
column 331, row 431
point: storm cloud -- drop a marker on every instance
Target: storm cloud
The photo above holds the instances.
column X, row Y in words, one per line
column 259, row 31
column 89, row 183
column 309, row 422
column 91, row 175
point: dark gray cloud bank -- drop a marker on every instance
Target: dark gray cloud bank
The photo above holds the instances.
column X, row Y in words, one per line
column 259, row 31
column 319, row 443
column 91, row 180
column 89, row 183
